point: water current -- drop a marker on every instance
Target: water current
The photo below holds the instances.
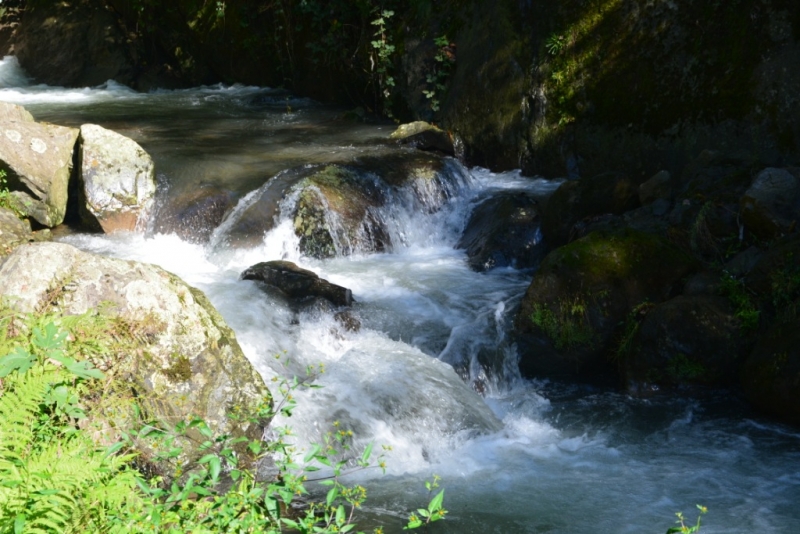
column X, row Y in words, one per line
column 528, row 456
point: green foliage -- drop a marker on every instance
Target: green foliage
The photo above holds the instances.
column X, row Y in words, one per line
column 785, row 289
column 681, row 368
column 53, row 478
column 6, row 200
column 629, row 329
column 437, row 79
column 742, row 301
column 555, row 44
column 568, row 326
column 683, row 528
column 435, row 510
column 383, row 49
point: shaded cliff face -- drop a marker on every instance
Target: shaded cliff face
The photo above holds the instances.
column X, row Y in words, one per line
column 573, row 87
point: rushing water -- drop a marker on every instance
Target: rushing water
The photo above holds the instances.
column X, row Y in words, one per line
column 550, row 457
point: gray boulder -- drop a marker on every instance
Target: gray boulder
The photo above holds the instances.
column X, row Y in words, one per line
column 117, row 178
column 37, row 158
column 187, row 361
column 15, row 231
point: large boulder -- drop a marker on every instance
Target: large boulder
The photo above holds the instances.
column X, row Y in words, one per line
column 186, row 360
column 582, row 292
column 688, row 340
column 117, row 179
column 37, row 158
column 504, row 231
column 297, row 283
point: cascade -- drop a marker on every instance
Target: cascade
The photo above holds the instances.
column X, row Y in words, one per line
column 523, row 456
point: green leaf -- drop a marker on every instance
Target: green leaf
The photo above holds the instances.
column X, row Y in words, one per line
column 19, row 524
column 436, row 502
column 312, row 453
column 18, row 360
column 332, row 494
column 341, row 515
column 367, row 452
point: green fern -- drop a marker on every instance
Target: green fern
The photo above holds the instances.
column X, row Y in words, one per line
column 53, row 478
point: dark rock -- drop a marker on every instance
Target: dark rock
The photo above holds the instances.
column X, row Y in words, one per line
column 702, row 283
column 770, row 376
column 582, row 291
column 504, row 231
column 688, row 340
column 194, row 215
column 771, row 206
column 608, row 193
column 656, row 188
column 348, row 320
column 296, row 283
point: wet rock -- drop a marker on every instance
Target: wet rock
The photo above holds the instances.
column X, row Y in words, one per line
column 296, row 283
column 117, row 180
column 504, row 231
column 186, row 360
column 194, row 215
column 607, row 193
column 581, row 293
column 771, row 206
column 424, row 136
column 334, row 214
column 770, row 377
column 38, row 160
column 688, row 340
column 85, row 45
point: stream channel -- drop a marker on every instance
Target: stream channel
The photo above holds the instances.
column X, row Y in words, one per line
column 527, row 456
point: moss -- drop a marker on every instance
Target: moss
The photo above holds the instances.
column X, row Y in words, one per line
column 565, row 322
column 180, row 370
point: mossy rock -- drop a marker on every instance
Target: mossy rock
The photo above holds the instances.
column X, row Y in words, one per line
column 685, row 341
column 583, row 291
column 607, row 193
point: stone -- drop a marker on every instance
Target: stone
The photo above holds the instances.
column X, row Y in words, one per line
column 581, row 293
column 770, row 377
column 504, row 231
column 37, row 158
column 14, row 113
column 575, row 200
column 656, row 188
column 187, row 361
column 685, row 341
column 195, row 214
column 117, row 180
column 296, row 283
column 424, row 136
column 13, row 231
column 771, row 206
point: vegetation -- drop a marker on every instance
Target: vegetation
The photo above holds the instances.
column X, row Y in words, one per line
column 683, row 528
column 744, row 308
column 55, row 478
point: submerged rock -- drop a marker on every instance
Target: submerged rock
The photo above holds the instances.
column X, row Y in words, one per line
column 37, row 158
column 117, row 180
column 186, row 361
column 296, row 283
column 504, row 231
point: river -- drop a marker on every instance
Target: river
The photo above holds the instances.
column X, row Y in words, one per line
column 527, row 456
